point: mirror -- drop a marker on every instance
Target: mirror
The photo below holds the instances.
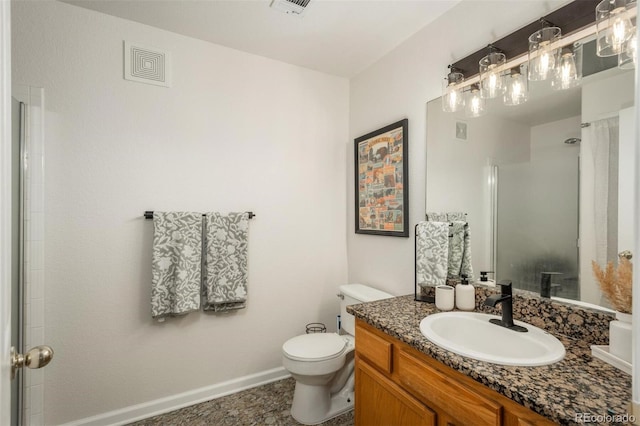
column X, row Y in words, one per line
column 547, row 185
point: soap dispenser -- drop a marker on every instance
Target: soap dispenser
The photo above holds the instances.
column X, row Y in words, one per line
column 484, row 279
column 465, row 295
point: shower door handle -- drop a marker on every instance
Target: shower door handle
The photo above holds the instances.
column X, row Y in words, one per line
column 37, row 357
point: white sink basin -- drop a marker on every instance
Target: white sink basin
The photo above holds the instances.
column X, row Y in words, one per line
column 471, row 334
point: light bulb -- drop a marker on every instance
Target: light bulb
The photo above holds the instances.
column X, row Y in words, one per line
column 619, row 29
column 490, row 75
column 493, row 78
column 475, row 105
column 452, row 99
column 543, row 53
column 613, row 26
column 516, row 92
column 567, row 75
column 545, row 64
column 492, row 85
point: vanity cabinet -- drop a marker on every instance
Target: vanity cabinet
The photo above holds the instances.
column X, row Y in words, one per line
column 398, row 385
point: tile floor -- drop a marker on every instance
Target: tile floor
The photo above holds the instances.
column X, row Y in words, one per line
column 265, row 405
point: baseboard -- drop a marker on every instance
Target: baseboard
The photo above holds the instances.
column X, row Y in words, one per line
column 164, row 405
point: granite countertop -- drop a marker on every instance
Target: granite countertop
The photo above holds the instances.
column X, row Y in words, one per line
column 578, row 384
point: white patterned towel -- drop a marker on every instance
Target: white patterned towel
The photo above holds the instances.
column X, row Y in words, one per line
column 225, row 283
column 456, row 247
column 466, row 268
column 460, row 250
column 176, row 263
column 432, row 251
column 436, row 217
column 456, row 216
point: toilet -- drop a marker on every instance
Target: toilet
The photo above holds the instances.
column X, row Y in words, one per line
column 323, row 363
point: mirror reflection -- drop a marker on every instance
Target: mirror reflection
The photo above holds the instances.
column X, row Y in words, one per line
column 547, row 185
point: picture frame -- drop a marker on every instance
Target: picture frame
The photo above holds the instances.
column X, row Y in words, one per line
column 382, row 181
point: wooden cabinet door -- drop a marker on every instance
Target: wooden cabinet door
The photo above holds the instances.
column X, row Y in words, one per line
column 380, row 402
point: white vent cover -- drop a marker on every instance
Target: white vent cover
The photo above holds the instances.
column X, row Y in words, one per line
column 290, row 7
column 147, row 65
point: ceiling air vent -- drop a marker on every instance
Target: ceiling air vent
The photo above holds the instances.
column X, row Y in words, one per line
column 290, row 7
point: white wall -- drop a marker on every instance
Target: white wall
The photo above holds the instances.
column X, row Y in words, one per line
column 398, row 86
column 235, row 132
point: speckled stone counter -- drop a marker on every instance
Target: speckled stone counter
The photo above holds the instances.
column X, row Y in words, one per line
column 578, row 384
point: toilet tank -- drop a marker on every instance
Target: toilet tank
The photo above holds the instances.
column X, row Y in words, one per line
column 353, row 294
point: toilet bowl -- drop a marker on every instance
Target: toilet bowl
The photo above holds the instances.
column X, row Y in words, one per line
column 322, row 363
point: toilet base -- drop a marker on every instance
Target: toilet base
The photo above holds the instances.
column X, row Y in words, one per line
column 314, row 404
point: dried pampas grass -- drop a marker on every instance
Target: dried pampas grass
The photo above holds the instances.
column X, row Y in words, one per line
column 616, row 284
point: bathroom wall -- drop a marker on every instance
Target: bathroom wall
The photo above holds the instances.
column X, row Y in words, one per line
column 399, row 86
column 235, row 132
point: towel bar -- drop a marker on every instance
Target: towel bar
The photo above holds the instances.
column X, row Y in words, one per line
column 149, row 214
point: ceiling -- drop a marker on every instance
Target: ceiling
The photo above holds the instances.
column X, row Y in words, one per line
column 340, row 37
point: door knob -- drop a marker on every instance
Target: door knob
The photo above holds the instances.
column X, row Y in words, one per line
column 37, row 357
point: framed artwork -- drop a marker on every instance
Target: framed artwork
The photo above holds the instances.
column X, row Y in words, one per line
column 382, row 181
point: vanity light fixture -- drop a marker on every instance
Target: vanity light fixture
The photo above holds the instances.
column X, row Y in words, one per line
column 568, row 73
column 613, row 26
column 543, row 56
column 491, row 67
column 517, row 87
column 544, row 52
column 452, row 96
column 475, row 105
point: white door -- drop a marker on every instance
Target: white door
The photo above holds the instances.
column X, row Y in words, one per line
column 13, row 121
column 5, row 213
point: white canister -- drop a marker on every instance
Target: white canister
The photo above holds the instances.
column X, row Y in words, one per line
column 620, row 337
column 444, row 297
column 465, row 297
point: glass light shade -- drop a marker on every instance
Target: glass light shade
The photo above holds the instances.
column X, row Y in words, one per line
column 628, row 58
column 490, row 75
column 475, row 105
column 568, row 73
column 613, row 26
column 452, row 97
column 543, row 53
column 517, row 88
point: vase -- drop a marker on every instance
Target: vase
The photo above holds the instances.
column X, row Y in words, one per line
column 620, row 336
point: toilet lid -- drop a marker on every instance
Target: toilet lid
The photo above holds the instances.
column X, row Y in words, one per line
column 316, row 346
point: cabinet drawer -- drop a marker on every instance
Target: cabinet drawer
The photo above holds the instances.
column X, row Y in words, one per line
column 375, row 349
column 435, row 388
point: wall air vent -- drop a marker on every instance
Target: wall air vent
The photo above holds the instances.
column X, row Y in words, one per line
column 290, row 7
column 147, row 65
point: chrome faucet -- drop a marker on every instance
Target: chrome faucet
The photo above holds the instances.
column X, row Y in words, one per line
column 506, row 299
